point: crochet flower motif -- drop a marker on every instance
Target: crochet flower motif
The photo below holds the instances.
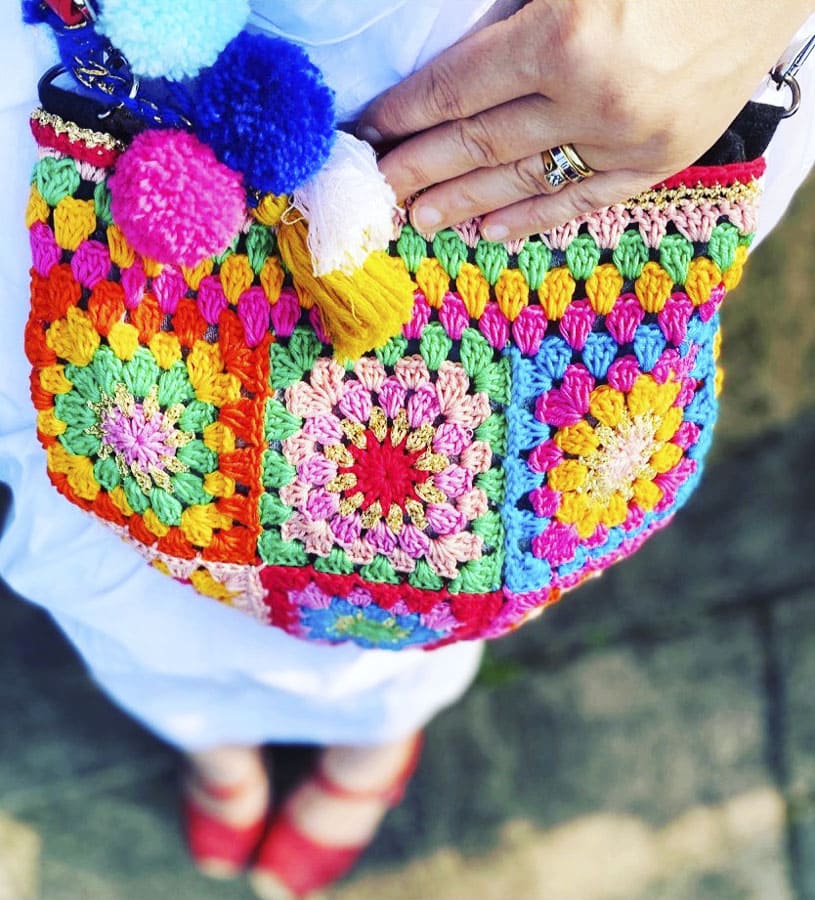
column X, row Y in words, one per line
column 142, row 433
column 359, row 619
column 141, row 437
column 618, row 451
column 385, row 463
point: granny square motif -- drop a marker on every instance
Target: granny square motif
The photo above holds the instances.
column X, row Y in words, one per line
column 546, row 409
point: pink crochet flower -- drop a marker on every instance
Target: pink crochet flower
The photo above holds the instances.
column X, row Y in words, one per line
column 385, row 464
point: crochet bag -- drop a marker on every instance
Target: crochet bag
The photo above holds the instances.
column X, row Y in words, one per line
column 543, row 407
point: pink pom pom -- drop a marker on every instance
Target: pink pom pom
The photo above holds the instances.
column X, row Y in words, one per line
column 172, row 199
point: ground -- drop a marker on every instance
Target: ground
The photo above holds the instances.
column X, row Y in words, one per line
column 650, row 738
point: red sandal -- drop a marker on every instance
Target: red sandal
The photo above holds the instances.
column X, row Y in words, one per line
column 218, row 848
column 292, row 865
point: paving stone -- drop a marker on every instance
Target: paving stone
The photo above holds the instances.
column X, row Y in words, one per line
column 724, row 852
column 124, row 846
column 744, row 536
column 795, row 639
column 67, row 736
column 19, row 860
column 608, row 753
column 803, row 823
column 640, row 765
column 795, row 643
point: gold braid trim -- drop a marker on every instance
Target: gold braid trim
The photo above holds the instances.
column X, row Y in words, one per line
column 662, row 197
column 75, row 133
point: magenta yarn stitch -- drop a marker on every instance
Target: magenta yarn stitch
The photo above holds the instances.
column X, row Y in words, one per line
column 90, row 263
column 45, row 252
column 254, row 313
column 172, row 199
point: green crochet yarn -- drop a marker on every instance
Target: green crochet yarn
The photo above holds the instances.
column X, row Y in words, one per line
column 450, row 250
column 56, row 179
column 582, row 256
column 434, row 345
column 724, row 241
column 275, row 551
column 534, row 261
column 630, row 255
column 380, row 570
column 412, row 248
column 276, row 471
column 272, row 510
column 424, row 577
column 189, row 489
column 336, row 563
column 392, row 352
column 260, row 245
column 492, row 258
column 279, row 423
column 675, row 254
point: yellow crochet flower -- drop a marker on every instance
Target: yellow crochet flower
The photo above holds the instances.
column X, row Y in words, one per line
column 614, row 461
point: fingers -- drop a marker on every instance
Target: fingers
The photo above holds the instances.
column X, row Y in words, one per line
column 478, row 116
column 485, row 190
column 460, row 82
column 491, row 138
column 541, row 213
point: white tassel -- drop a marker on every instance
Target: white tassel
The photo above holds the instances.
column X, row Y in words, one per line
column 349, row 208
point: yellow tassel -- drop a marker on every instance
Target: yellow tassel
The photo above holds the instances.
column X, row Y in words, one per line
column 360, row 311
column 270, row 208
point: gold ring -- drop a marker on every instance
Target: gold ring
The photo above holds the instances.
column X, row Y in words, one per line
column 580, row 165
column 563, row 163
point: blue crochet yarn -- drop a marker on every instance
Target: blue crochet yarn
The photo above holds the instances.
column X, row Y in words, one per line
column 266, row 112
column 553, row 357
column 649, row 344
column 33, row 12
column 599, row 353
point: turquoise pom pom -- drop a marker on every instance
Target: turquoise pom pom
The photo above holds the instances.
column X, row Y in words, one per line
column 172, row 39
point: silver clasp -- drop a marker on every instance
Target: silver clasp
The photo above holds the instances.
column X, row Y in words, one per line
column 785, row 75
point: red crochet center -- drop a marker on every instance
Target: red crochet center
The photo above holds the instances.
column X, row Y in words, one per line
column 385, row 472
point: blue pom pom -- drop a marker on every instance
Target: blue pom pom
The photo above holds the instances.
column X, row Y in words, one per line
column 171, row 40
column 266, row 112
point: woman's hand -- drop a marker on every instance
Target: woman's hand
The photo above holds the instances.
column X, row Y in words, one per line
column 641, row 88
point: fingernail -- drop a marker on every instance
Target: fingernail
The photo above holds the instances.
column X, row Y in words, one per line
column 495, row 232
column 425, row 218
column 369, row 133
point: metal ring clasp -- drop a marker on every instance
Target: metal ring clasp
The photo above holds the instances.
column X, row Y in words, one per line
column 784, row 78
column 785, row 75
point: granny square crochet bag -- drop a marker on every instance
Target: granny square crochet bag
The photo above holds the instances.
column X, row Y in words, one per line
column 400, row 442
